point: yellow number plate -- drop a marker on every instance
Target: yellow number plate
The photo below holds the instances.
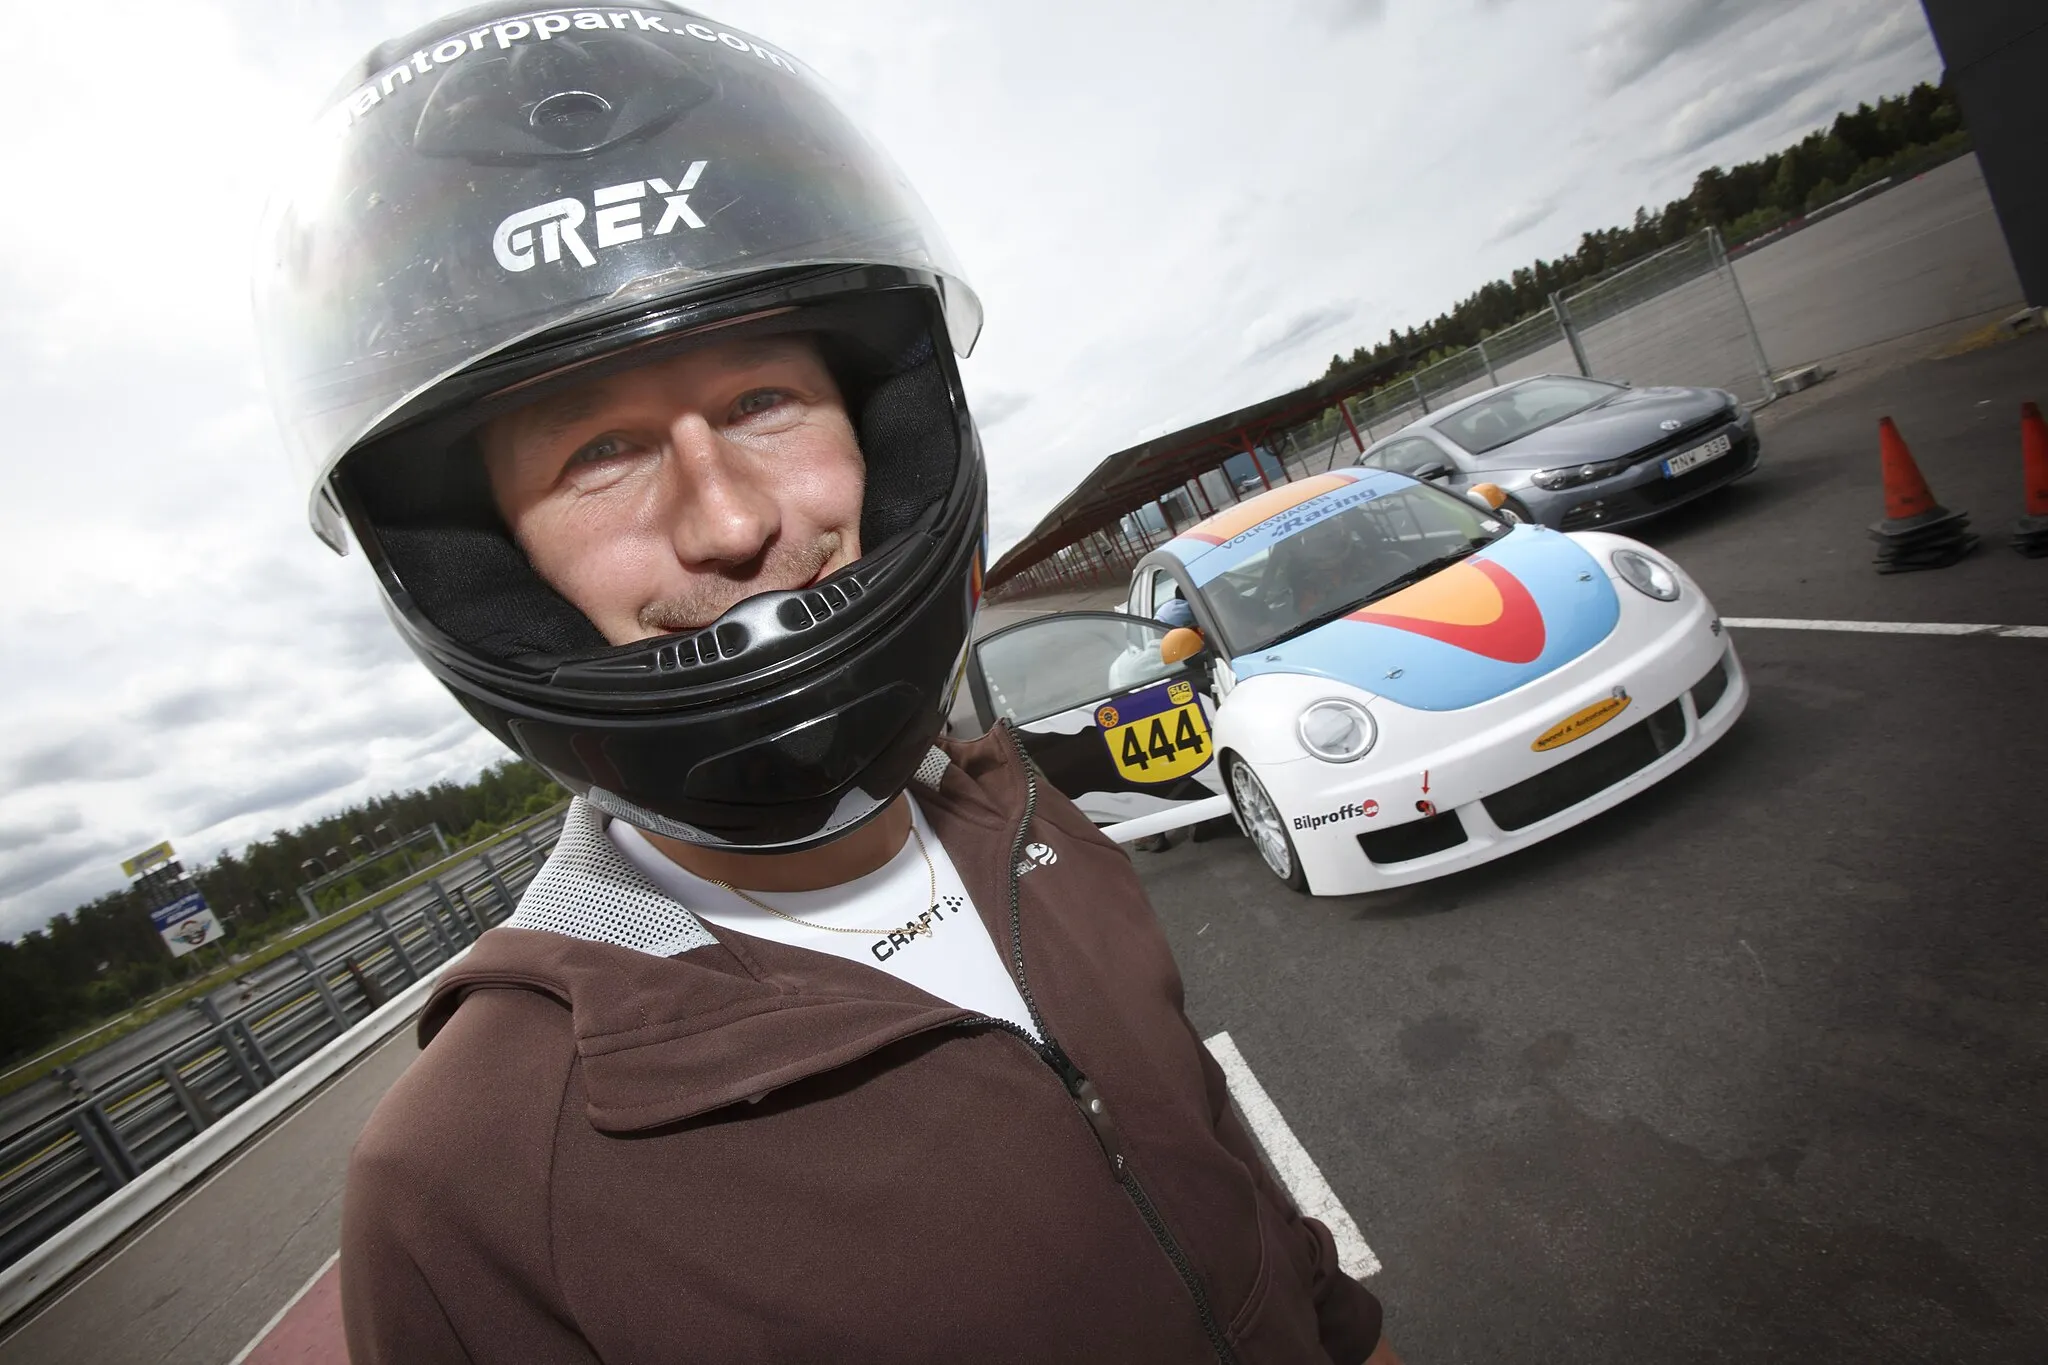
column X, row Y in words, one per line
column 1156, row 735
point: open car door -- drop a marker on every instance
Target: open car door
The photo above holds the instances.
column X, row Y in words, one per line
column 1125, row 736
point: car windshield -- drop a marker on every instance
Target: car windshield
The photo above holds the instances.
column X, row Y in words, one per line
column 1493, row 422
column 1339, row 563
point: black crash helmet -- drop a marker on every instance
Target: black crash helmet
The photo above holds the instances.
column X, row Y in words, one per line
column 513, row 199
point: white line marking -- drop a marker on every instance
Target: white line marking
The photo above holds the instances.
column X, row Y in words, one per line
column 1890, row 627
column 1291, row 1162
column 292, row 1303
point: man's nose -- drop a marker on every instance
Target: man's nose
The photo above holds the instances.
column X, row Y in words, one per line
column 722, row 513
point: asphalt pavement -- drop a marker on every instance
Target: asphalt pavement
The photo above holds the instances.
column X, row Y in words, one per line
column 1791, row 539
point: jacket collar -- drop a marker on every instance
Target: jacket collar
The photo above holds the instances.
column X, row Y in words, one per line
column 672, row 1018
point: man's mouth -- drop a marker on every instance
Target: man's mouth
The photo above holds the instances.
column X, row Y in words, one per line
column 709, row 600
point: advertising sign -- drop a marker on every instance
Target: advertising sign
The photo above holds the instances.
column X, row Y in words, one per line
column 147, row 859
column 186, row 924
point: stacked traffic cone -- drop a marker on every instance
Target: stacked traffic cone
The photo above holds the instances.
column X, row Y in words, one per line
column 2030, row 532
column 1917, row 532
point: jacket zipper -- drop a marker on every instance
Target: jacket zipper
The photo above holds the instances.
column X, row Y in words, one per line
column 1082, row 1090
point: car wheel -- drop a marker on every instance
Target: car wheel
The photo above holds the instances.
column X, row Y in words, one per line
column 1514, row 511
column 1262, row 821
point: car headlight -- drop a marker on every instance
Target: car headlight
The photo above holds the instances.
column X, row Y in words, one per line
column 1646, row 575
column 1572, row 476
column 1337, row 731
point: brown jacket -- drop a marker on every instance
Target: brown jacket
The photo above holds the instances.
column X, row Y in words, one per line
column 752, row 1152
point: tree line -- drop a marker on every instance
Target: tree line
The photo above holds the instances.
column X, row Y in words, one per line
column 1862, row 146
column 105, row 956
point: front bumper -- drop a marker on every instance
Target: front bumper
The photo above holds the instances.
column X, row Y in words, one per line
column 1488, row 791
column 1641, row 491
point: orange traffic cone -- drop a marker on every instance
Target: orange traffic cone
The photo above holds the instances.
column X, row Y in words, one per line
column 1917, row 532
column 2030, row 533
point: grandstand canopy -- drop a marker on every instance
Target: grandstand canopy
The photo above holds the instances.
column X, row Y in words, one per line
column 1131, row 478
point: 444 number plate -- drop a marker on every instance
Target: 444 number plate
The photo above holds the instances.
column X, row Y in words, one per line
column 1156, row 735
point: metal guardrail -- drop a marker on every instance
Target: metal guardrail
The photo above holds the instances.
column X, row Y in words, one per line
column 56, row 1170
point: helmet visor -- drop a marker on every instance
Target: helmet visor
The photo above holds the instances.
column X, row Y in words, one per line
column 504, row 173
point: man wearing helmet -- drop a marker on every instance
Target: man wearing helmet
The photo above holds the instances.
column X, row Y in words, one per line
column 628, row 363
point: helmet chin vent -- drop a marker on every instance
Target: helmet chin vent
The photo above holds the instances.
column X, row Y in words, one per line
column 727, row 640
column 758, row 632
column 796, row 612
column 819, row 605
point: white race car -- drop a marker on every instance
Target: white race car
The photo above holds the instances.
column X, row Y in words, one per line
column 1384, row 682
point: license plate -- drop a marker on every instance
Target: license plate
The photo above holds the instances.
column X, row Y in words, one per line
column 1697, row 456
column 1156, row 735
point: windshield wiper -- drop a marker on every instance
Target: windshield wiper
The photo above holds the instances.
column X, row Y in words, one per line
column 1420, row 572
column 1304, row 627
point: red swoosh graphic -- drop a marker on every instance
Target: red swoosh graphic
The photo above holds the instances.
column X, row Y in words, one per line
column 1515, row 637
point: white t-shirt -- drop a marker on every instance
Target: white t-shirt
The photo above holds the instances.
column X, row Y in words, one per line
column 957, row 961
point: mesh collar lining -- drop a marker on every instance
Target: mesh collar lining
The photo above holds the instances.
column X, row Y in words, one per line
column 587, row 890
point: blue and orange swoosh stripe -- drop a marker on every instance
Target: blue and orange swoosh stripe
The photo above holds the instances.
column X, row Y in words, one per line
column 1477, row 606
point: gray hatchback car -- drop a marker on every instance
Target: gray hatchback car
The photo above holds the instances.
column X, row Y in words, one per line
column 1579, row 454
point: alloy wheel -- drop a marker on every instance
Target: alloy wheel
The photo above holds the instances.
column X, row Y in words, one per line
column 1262, row 820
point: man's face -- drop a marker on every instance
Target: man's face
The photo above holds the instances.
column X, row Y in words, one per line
column 655, row 499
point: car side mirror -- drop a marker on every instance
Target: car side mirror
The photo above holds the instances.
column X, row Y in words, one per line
column 1180, row 644
column 1433, row 471
column 1487, row 495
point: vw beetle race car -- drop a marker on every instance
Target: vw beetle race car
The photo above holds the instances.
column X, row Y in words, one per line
column 1384, row 682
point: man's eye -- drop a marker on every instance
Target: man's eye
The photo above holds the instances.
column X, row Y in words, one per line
column 598, row 451
column 759, row 401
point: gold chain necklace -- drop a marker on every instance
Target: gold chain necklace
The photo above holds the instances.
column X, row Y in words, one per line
column 912, row 928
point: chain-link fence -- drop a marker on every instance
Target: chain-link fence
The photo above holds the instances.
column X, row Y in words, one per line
column 1677, row 317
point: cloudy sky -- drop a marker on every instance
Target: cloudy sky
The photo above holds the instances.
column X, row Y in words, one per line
column 1170, row 208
